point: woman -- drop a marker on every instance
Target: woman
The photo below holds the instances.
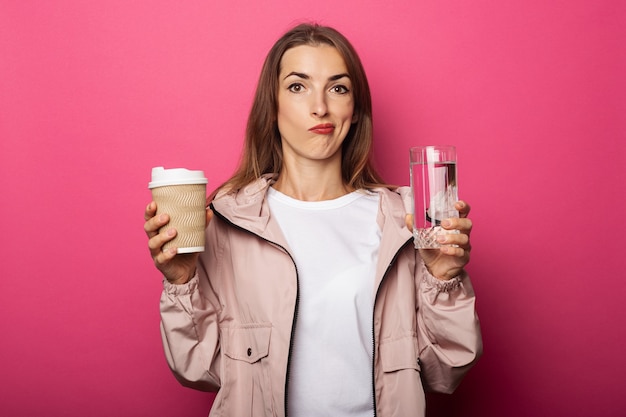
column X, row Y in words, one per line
column 310, row 299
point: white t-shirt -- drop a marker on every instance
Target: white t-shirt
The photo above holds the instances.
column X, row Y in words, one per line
column 335, row 247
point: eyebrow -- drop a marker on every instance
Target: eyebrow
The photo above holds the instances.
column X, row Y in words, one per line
column 307, row 77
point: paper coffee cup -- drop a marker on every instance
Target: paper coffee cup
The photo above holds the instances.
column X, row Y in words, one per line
column 181, row 193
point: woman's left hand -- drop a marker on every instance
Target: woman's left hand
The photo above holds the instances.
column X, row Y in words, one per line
column 448, row 261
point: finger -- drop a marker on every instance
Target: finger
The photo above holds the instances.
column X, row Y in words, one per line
column 155, row 223
column 462, row 224
column 155, row 244
column 209, row 215
column 409, row 221
column 463, row 208
column 150, row 211
column 163, row 257
column 453, row 251
column 454, row 239
column 158, row 240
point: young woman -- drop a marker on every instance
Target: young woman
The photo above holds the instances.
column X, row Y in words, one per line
column 310, row 299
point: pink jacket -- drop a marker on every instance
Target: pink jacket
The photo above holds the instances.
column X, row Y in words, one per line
column 229, row 329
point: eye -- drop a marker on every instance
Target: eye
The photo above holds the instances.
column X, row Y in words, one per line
column 295, row 87
column 340, row 89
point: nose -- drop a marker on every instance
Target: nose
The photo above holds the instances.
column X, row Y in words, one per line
column 319, row 107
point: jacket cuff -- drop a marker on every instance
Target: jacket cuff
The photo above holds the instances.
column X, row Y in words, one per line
column 181, row 289
column 443, row 285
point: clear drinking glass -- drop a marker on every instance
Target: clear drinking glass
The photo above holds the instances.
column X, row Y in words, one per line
column 435, row 191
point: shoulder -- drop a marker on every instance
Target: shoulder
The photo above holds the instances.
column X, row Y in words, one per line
column 253, row 191
column 246, row 207
column 396, row 199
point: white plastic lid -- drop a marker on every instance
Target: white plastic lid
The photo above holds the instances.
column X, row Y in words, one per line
column 162, row 177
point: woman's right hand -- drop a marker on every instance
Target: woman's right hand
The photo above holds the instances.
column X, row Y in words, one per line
column 177, row 269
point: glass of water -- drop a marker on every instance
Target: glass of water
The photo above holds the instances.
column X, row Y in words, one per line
column 435, row 191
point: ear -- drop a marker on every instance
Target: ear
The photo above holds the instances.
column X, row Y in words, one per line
column 355, row 118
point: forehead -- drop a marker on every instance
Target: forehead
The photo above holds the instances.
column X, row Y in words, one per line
column 321, row 60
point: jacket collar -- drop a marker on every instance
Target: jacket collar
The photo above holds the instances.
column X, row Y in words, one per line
column 245, row 207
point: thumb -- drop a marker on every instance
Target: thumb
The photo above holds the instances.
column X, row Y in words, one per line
column 409, row 221
column 209, row 216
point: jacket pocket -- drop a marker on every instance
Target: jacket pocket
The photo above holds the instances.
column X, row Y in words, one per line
column 398, row 354
column 246, row 389
column 247, row 343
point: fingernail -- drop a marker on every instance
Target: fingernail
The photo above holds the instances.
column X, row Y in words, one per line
column 162, row 218
column 446, row 223
column 171, row 232
column 441, row 238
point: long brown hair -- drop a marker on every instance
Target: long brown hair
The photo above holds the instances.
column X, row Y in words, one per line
column 262, row 151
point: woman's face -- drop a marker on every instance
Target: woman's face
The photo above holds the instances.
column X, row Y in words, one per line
column 315, row 103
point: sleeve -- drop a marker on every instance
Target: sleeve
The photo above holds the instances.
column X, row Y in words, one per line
column 190, row 334
column 449, row 337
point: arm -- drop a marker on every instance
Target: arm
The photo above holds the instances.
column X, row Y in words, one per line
column 188, row 315
column 190, row 334
column 449, row 337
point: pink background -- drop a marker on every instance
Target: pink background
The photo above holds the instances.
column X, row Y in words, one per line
column 93, row 94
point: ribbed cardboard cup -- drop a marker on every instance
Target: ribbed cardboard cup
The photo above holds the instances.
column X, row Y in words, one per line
column 181, row 194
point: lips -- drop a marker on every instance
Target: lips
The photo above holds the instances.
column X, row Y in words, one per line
column 323, row 129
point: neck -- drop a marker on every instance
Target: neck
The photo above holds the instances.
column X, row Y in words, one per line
column 311, row 184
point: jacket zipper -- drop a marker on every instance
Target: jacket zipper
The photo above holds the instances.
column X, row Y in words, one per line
column 295, row 314
column 393, row 260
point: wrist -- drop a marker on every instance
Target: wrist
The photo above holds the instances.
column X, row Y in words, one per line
column 181, row 280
